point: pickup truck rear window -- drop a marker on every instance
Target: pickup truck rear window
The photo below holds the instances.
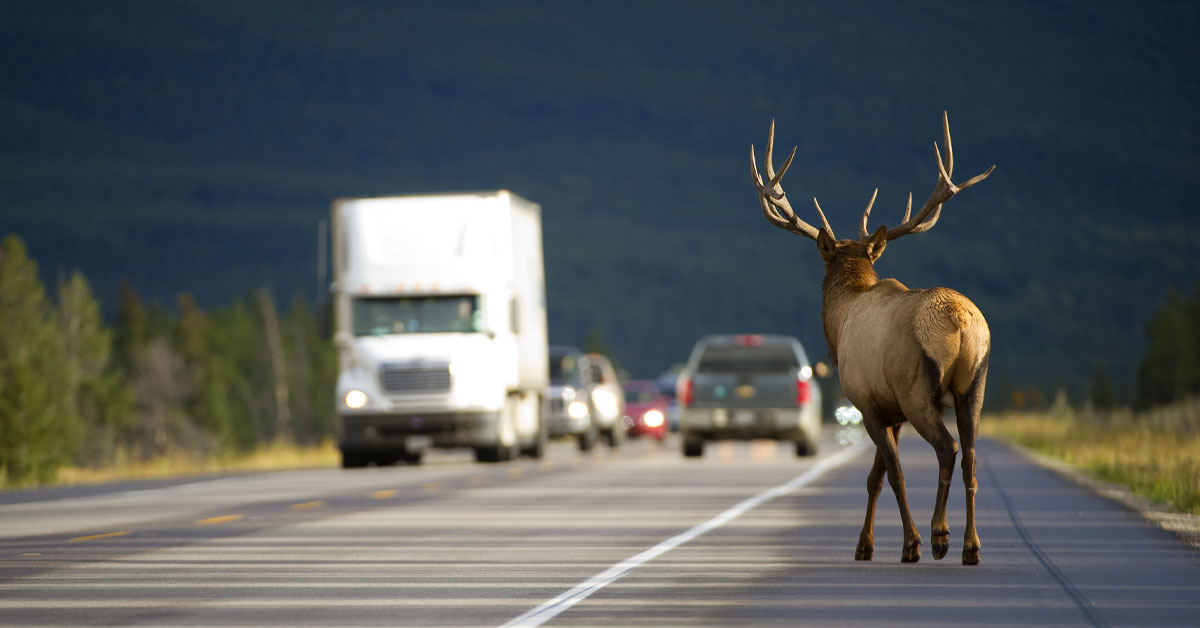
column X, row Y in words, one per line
column 760, row 359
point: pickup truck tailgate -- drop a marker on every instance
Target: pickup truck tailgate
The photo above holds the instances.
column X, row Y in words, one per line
column 744, row 390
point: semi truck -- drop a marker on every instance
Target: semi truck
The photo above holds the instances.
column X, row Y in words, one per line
column 439, row 308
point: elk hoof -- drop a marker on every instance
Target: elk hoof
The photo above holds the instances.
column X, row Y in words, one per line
column 971, row 555
column 941, row 545
column 911, row 553
column 864, row 552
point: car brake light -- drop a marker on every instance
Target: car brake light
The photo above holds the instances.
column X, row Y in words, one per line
column 750, row 340
column 803, row 392
column 685, row 391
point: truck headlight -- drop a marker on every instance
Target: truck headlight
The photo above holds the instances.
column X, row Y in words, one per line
column 577, row 410
column 355, row 399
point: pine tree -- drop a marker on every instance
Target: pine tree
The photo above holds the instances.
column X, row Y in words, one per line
column 312, row 365
column 98, row 394
column 38, row 428
column 131, row 332
column 241, row 355
column 209, row 404
column 1170, row 367
column 1192, row 313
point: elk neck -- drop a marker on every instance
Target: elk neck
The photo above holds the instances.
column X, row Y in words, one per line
column 846, row 278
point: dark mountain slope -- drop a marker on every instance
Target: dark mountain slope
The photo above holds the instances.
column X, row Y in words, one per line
column 196, row 145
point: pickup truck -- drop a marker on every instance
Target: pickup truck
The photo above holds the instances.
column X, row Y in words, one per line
column 748, row 386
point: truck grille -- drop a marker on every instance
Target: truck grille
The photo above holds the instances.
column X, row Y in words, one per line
column 407, row 379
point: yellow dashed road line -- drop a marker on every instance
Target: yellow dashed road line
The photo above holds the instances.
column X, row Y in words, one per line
column 215, row 520
column 307, row 505
column 384, row 494
column 106, row 535
column 430, row 487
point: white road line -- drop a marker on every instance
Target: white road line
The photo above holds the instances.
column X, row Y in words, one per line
column 552, row 608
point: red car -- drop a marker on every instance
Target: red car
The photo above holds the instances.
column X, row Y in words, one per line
column 646, row 409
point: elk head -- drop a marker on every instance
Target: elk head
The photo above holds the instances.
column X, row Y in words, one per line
column 778, row 210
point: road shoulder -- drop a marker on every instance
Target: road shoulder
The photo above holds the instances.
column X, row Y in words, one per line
column 1185, row 526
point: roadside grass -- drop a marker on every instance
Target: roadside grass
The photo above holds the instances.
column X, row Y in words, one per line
column 268, row 457
column 1156, row 454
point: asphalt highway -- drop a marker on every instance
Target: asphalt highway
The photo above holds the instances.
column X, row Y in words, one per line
column 748, row 535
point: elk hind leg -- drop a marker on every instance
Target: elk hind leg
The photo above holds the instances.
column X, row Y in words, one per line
column 966, row 411
column 925, row 411
column 933, row 429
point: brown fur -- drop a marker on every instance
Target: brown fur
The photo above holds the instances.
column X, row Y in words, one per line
column 903, row 356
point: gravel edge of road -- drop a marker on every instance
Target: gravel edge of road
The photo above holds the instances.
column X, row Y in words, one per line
column 1185, row 526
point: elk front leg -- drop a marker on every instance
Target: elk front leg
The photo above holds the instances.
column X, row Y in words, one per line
column 866, row 538
column 885, row 446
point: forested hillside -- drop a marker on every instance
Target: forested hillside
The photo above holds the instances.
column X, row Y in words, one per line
column 183, row 382
column 193, row 148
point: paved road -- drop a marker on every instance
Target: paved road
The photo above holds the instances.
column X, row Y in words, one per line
column 747, row 536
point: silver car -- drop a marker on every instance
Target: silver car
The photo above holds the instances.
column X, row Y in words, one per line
column 608, row 399
column 584, row 399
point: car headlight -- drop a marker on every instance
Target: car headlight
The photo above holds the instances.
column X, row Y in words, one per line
column 577, row 410
column 653, row 418
column 847, row 415
column 355, row 399
column 606, row 404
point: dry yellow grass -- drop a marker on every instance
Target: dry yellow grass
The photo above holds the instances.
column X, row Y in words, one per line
column 1156, row 454
column 269, row 457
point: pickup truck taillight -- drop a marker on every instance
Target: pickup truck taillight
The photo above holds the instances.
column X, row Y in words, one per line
column 803, row 392
column 684, row 388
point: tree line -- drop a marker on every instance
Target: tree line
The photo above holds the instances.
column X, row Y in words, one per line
column 1170, row 367
column 186, row 381
column 182, row 382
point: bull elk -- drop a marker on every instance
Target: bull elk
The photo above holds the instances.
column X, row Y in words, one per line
column 902, row 355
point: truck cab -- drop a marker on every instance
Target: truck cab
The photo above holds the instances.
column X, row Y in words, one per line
column 439, row 306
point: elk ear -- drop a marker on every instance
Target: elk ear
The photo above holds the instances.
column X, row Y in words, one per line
column 877, row 243
column 826, row 244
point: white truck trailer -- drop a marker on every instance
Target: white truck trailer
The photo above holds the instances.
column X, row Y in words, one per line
column 440, row 324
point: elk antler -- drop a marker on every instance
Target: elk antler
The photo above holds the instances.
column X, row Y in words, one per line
column 776, row 207
column 942, row 192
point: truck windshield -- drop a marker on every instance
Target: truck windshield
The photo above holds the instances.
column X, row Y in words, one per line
column 739, row 359
column 379, row 316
